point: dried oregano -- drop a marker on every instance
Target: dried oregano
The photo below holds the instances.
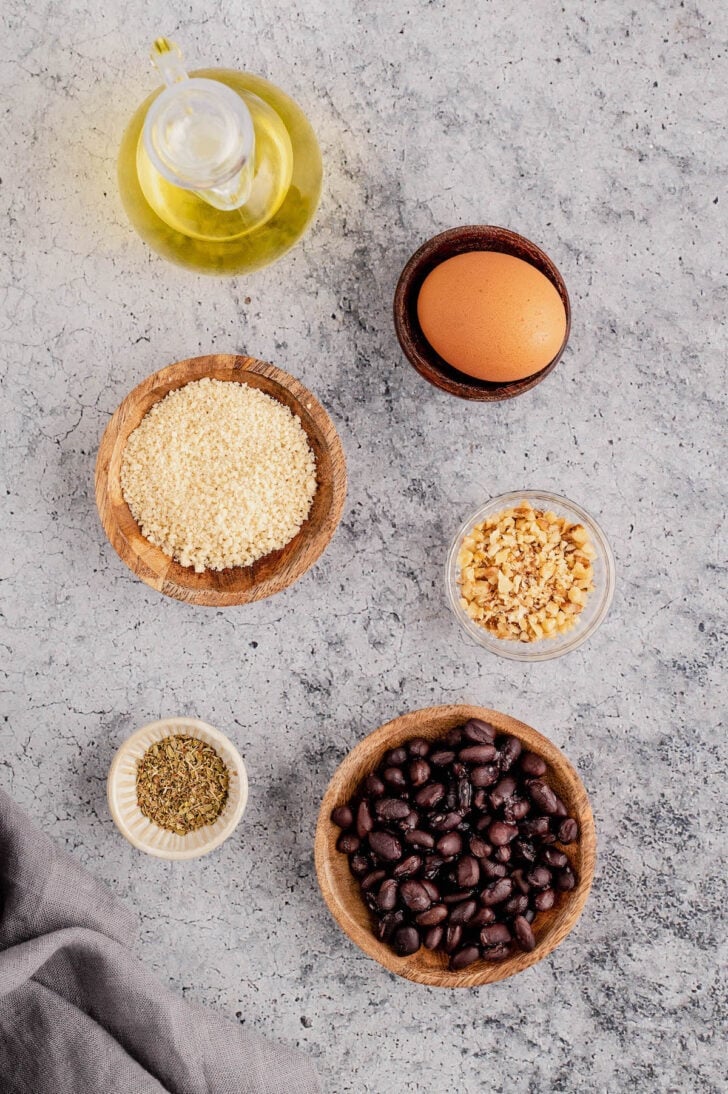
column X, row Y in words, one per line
column 182, row 784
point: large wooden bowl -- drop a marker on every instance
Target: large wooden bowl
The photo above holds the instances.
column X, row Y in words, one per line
column 238, row 584
column 341, row 889
column 419, row 352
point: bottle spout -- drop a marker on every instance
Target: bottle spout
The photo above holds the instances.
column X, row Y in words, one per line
column 199, row 134
column 167, row 59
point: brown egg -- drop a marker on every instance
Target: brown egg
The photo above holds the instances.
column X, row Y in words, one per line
column 491, row 315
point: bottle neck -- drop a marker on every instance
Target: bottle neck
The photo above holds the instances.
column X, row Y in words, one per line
column 199, row 134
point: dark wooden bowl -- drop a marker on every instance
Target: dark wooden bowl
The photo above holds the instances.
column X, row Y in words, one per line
column 341, row 889
column 419, row 352
column 238, row 584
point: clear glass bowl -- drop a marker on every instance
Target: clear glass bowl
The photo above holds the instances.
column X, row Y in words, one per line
column 598, row 601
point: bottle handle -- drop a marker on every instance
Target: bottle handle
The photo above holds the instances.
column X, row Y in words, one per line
column 167, row 59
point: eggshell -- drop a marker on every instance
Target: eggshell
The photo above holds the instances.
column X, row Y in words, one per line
column 491, row 315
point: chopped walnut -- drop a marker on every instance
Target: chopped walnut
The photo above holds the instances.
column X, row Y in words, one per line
column 526, row 574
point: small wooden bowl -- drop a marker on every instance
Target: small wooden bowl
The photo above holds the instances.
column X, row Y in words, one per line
column 341, row 889
column 419, row 352
column 238, row 584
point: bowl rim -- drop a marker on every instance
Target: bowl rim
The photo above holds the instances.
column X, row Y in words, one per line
column 433, row 367
column 433, row 721
column 521, row 651
column 148, row 562
column 157, row 731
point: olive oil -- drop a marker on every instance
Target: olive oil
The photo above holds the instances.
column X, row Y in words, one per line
column 280, row 181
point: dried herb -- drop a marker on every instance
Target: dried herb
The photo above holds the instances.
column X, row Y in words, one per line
column 182, row 784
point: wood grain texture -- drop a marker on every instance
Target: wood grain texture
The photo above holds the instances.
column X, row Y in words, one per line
column 419, row 352
column 238, row 584
column 340, row 888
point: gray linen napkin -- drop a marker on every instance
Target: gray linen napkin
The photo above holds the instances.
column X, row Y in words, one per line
column 79, row 1014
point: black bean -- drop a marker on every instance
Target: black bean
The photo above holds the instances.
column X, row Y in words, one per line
column 568, row 830
column 497, row 892
column 371, row 879
column 542, row 795
column 432, row 916
column 467, row 872
column 453, row 935
column 531, row 764
column 496, row 932
column 481, row 800
column 370, row 899
column 484, row 775
column 477, row 754
column 450, row 844
column 431, row 889
column 394, row 776
column 565, row 880
column 463, row 912
column 465, row 794
column 458, row 897
column 553, row 857
column 479, row 732
column 433, row 938
column 509, row 753
column 464, row 957
column 390, row 809
column 500, row 833
column 419, row 772
column 517, row 905
column 445, row 822
column 414, row 895
column 406, row 941
column 433, row 864
column 418, row 838
column 499, row 952
column 358, row 864
column 450, row 801
column 387, row 895
column 525, row 849
column 408, row 866
column 504, row 790
column 524, row 934
column 373, row 786
column 492, row 869
column 418, row 746
column 488, row 813
column 364, row 822
column 520, row 880
column 409, row 822
column 428, row 796
column 535, row 826
column 385, row 846
column 516, row 809
column 342, row 816
column 539, row 877
column 389, row 923
column 482, row 918
column 544, row 900
column 479, row 847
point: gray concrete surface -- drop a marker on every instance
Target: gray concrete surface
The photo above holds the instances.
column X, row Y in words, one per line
column 597, row 129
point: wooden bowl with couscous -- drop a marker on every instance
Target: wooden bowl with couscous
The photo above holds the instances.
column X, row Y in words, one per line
column 222, row 494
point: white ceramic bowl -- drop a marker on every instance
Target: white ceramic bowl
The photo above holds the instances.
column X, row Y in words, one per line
column 143, row 833
column 598, row 601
